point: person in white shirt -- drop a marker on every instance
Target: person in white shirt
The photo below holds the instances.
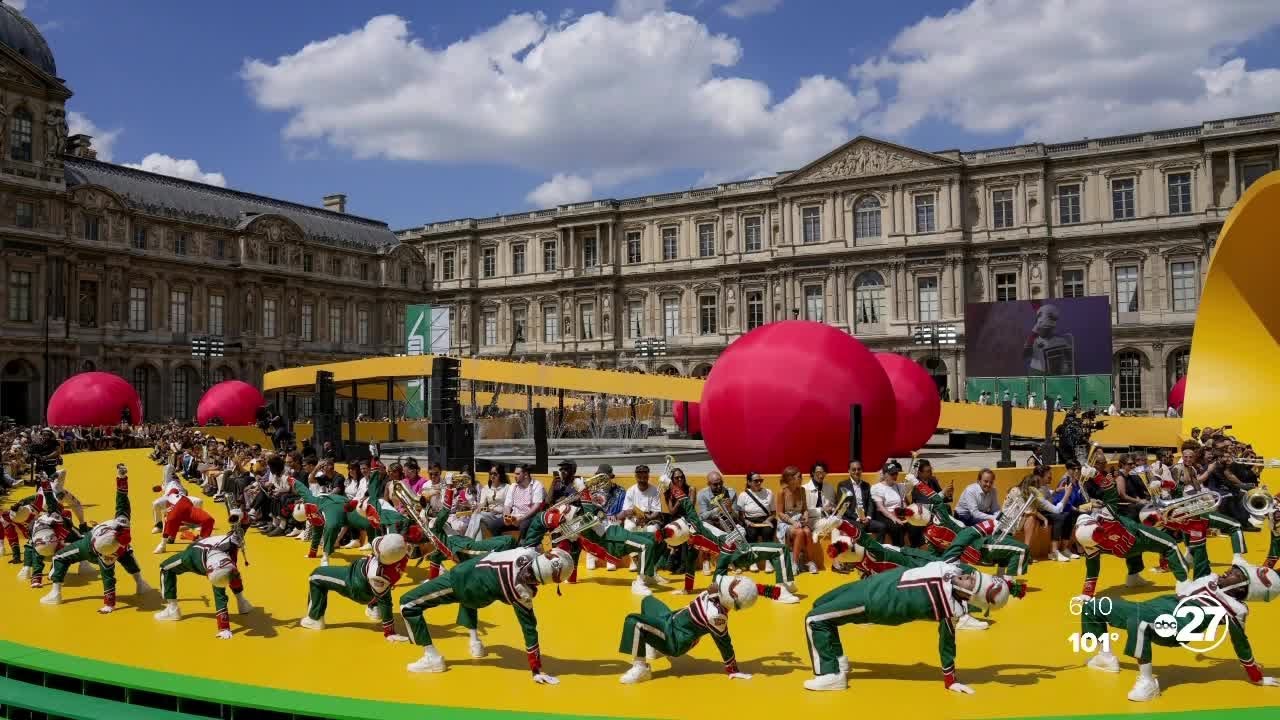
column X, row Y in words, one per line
column 523, row 501
column 820, row 494
column 642, row 506
column 984, row 398
column 1112, row 410
column 889, row 497
column 1171, row 411
column 1031, row 401
column 489, row 506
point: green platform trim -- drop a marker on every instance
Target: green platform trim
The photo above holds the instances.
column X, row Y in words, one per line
column 342, row 708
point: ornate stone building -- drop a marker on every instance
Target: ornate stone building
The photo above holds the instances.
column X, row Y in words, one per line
column 874, row 238
column 110, row 268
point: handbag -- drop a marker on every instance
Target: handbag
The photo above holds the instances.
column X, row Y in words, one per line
column 768, row 522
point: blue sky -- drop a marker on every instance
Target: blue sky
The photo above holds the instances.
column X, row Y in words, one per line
column 535, row 103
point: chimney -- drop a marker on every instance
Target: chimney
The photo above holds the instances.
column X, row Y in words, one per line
column 81, row 146
column 336, row 203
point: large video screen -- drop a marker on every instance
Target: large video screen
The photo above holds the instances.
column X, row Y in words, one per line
column 1061, row 336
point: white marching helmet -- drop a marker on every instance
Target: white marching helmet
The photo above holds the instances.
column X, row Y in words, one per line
column 220, row 567
column 21, row 513
column 919, row 515
column 105, row 542
column 552, row 567
column 390, row 549
column 299, row 512
column 1264, row 583
column 1085, row 526
column 735, row 592
column 45, row 542
column 677, row 532
column 854, row 555
column 121, row 470
column 990, row 593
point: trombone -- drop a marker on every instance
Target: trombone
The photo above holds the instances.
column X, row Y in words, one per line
column 1011, row 514
column 1257, row 462
column 578, row 522
column 597, row 483
column 721, row 517
column 413, row 510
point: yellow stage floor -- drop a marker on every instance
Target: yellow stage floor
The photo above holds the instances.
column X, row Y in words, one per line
column 1022, row 666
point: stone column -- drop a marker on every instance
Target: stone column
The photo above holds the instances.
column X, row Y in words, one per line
column 842, row 298
column 953, row 204
column 899, row 227
column 1204, row 184
column 829, row 219
column 1042, row 203
column 946, row 304
column 1233, row 191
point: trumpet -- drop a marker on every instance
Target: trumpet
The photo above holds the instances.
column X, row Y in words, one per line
column 1259, row 502
column 1011, row 514
column 1187, row 507
column 1257, row 462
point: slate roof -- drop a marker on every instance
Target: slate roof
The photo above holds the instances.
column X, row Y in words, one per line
column 197, row 202
column 17, row 32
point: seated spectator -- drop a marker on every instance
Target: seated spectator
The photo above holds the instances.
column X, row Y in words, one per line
column 979, row 501
column 523, row 501
column 756, row 507
column 890, row 500
column 793, row 521
column 1069, row 496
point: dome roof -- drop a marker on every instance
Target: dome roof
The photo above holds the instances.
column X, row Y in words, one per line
column 18, row 33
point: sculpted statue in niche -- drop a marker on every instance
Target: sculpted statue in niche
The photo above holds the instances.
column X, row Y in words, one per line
column 55, row 132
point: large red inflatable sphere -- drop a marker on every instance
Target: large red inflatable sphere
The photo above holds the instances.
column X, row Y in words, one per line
column 780, row 395
column 919, row 405
column 1178, row 393
column 233, row 401
column 94, row 399
column 688, row 417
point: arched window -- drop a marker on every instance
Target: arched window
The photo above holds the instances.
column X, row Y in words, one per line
column 20, row 135
column 1129, row 379
column 866, row 217
column 869, row 299
column 1178, row 362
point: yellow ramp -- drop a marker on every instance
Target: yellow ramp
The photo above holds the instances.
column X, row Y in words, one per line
column 1234, row 349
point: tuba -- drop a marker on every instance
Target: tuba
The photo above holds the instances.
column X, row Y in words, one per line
column 1187, row 507
column 1259, row 502
column 1011, row 513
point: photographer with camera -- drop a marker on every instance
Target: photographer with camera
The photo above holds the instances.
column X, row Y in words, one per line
column 46, row 453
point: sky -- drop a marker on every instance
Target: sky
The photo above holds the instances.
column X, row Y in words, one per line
column 430, row 110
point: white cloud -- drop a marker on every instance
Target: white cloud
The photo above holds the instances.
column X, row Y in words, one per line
column 180, row 168
column 594, row 101
column 561, row 189
column 1055, row 70
column 103, row 140
column 630, row 9
column 747, row 8
column 18, row 5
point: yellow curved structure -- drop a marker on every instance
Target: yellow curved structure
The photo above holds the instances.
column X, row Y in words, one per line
column 1234, row 375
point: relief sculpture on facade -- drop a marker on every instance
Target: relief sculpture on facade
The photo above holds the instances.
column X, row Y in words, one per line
column 865, row 159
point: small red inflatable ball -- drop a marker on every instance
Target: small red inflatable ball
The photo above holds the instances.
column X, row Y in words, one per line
column 688, row 417
column 781, row 395
column 919, row 405
column 233, row 401
column 94, row 399
column 1178, row 393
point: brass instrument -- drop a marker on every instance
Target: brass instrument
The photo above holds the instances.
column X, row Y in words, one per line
column 722, row 517
column 414, row 510
column 1258, row 462
column 1188, row 507
column 572, row 528
column 1011, row 514
column 1094, row 450
column 830, row 517
column 597, row 483
column 1259, row 502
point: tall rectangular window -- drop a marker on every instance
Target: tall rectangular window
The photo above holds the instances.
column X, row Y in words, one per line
column 706, row 240
column 88, row 303
column 517, row 259
column 670, row 243
column 1179, row 193
column 20, row 296
column 869, row 299
column 220, row 248
column 92, row 227
column 217, row 308
column 335, row 266
column 1126, row 282
column 446, row 265
column 1129, row 380
column 926, row 216
column 590, row 252
column 752, row 238
column 179, row 310
column 404, row 276
column 181, row 392
column 586, row 321
column 335, row 324
column 364, row 271
column 20, row 135
column 489, row 328
column 670, row 317
column 1002, row 209
column 550, row 323
column 308, row 263
column 866, row 218
column 519, row 324
column 1073, row 283
column 138, row 309
column 489, row 262
column 549, row 256
column 24, row 215
column 1006, row 286
column 273, row 258
column 927, row 298
column 362, row 327
column 180, row 242
column 400, row 326
column 814, row 304
column 755, row 309
column 309, row 322
column 1069, row 204
column 1186, row 285
column 268, row 317
column 708, row 315
column 633, row 247
column 1122, row 199
column 1251, row 171
column 635, row 318
column 139, row 238
column 811, row 224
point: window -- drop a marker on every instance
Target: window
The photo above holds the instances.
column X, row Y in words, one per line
column 1178, row 364
column 220, row 248
column 489, row 262
column 88, row 304
column 926, row 220
column 814, row 303
column 586, row 321
column 1186, row 285
column 140, row 238
column 1251, row 172
column 20, row 135
column 752, row 240
column 549, row 256
column 866, row 218
column 519, row 324
column 404, row 276
column 181, row 392
column 927, row 298
column 400, row 326
column 633, row 247
column 140, row 385
column 1073, row 283
column 19, row 296
column 1179, row 193
column 869, row 298
column 670, row 244
column 91, row 227
column 273, row 256
column 446, row 265
column 217, row 308
column 182, row 240
column 335, row 266
column 517, row 259
column 1069, row 204
column 268, row 317
column 755, row 309
column 708, row 315
column 550, row 323
column 138, row 309
column 1002, row 209
column 180, row 310
column 1126, row 281
column 670, row 317
column 706, row 240
column 1129, row 379
column 811, row 224
column 1122, row 207
column 489, row 328
column 635, row 318
column 308, row 322
column 590, row 252
column 364, row 271
column 24, row 215
column 308, row 263
column 1006, row 286
column 362, row 327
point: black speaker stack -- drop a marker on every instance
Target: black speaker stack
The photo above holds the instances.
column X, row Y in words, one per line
column 451, row 441
column 326, row 423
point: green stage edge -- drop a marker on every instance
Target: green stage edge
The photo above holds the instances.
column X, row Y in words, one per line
column 289, row 702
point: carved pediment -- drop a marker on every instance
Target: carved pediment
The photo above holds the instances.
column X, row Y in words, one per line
column 864, row 157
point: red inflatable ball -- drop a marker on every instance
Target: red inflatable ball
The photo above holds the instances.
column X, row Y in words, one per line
column 688, row 417
column 232, row 401
column 780, row 395
column 1178, row 393
column 919, row 405
column 94, row 399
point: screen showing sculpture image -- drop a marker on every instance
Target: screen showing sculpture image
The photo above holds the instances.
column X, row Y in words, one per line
column 1060, row 336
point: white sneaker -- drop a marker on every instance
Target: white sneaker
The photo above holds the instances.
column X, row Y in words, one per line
column 1145, row 689
column 366, row 547
column 1106, row 662
column 142, row 587
column 159, row 548
column 430, row 662
column 813, row 568
column 969, row 622
column 169, row 613
column 610, row 567
column 1075, row 556
column 786, row 596
column 1061, row 558
column 477, row 649
column 54, row 596
column 843, row 663
column 654, row 580
column 651, row 653
column 243, row 606
column 632, row 566
column 639, row 588
column 353, row 545
column 84, row 568
column 25, row 573
column 1136, row 580
column 833, row 681
column 293, row 533
column 371, row 612
column 638, row 673
column 706, row 568
column 310, row 624
column 591, row 562
column 324, row 561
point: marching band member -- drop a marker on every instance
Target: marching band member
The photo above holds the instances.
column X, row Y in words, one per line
column 216, row 558
column 66, row 498
column 17, row 522
column 1230, row 591
column 939, row 591
column 460, row 548
column 369, row 581
column 1099, row 531
column 49, row 534
column 857, row 549
column 613, row 544
column 655, row 629
column 180, row 509
column 511, row 577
